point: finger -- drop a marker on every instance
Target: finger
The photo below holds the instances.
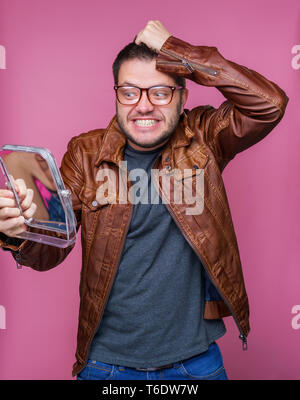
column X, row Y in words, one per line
column 6, row 193
column 18, row 231
column 30, row 212
column 159, row 24
column 8, row 212
column 138, row 39
column 26, row 203
column 6, row 202
column 11, row 225
column 21, row 188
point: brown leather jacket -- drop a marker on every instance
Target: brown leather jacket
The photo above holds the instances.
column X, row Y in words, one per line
column 206, row 138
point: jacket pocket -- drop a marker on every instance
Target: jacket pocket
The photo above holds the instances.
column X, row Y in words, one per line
column 93, row 199
column 189, row 181
column 190, row 164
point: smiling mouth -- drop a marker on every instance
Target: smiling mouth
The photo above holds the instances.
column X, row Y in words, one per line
column 145, row 122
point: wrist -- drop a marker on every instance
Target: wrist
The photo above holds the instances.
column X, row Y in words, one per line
column 163, row 41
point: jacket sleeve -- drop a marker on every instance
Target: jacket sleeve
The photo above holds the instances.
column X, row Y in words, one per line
column 254, row 104
column 43, row 257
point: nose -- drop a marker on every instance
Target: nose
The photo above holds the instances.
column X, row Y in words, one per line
column 144, row 106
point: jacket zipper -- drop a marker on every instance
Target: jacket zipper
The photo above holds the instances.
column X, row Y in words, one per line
column 242, row 337
column 190, row 65
column 113, row 279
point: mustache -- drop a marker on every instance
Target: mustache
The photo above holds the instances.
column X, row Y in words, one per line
column 153, row 114
column 145, row 115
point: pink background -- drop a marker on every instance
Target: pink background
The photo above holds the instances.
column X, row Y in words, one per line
column 58, row 83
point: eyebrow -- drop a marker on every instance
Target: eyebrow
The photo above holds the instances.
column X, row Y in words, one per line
column 157, row 84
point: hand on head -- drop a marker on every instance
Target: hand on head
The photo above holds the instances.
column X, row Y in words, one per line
column 153, row 35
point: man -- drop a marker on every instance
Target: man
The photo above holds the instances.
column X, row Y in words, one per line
column 157, row 276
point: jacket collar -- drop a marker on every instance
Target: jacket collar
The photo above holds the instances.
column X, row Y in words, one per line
column 114, row 140
column 113, row 143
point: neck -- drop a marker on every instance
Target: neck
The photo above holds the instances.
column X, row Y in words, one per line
column 140, row 148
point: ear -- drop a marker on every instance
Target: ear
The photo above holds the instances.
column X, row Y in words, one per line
column 184, row 97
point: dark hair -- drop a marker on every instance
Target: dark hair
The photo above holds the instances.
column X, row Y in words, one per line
column 141, row 52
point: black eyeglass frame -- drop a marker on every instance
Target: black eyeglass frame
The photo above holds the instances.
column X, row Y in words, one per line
column 173, row 88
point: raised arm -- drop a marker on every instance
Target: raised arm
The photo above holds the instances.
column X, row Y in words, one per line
column 254, row 104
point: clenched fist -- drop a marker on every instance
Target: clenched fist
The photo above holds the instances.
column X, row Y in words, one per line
column 153, row 35
column 11, row 220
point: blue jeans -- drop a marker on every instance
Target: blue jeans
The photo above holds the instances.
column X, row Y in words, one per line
column 205, row 366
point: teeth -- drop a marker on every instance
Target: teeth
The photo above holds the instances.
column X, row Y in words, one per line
column 145, row 122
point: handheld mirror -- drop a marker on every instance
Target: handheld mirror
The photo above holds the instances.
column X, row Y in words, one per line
column 54, row 213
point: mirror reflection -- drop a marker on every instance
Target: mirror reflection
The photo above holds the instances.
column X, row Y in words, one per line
column 34, row 170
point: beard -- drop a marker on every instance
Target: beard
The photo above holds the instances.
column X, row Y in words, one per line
column 164, row 135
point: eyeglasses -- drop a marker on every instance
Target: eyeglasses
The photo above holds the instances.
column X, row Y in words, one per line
column 157, row 95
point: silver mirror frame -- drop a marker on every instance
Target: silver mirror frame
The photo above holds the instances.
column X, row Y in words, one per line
column 67, row 229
